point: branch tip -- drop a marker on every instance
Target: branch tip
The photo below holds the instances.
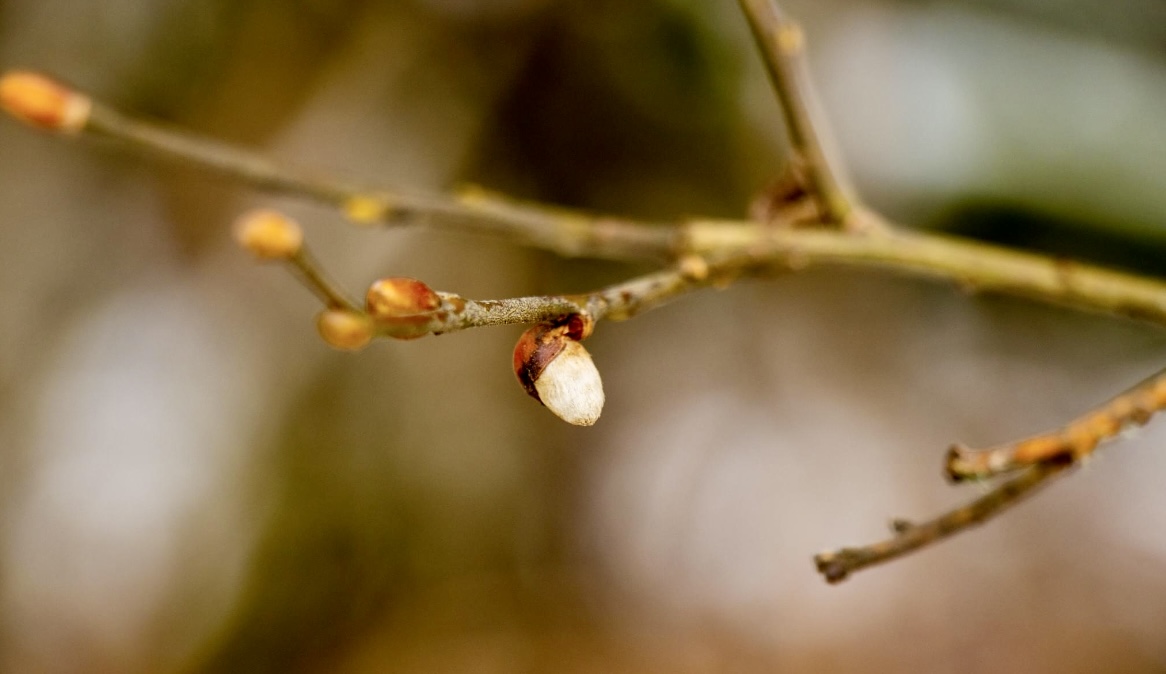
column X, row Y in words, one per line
column 345, row 329
column 43, row 103
column 269, row 235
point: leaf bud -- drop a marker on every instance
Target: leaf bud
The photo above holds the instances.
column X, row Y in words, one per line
column 269, row 235
column 43, row 103
column 557, row 371
column 345, row 330
column 400, row 296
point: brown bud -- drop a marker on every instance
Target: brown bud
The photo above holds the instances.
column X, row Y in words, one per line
column 345, row 330
column 269, row 235
column 557, row 371
column 400, row 296
column 43, row 103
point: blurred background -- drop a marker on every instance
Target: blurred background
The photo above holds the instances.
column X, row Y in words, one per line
column 190, row 481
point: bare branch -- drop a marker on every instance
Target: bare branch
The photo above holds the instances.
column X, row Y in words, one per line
column 837, row 565
column 782, row 46
column 1070, row 444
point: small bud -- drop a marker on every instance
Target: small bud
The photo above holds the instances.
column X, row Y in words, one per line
column 367, row 209
column 400, row 296
column 269, row 235
column 345, row 330
column 43, row 103
column 558, row 372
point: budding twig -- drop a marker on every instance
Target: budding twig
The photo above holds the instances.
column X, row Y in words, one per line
column 1037, row 459
column 837, row 565
column 615, row 303
column 269, row 235
column 972, row 265
column 1070, row 444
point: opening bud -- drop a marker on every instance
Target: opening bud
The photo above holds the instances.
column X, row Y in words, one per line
column 345, row 330
column 269, row 235
column 43, row 103
column 400, row 296
column 557, row 371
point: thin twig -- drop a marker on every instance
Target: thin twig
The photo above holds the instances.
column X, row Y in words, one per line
column 837, row 565
column 567, row 233
column 1075, row 441
column 782, row 46
column 617, row 302
column 310, row 273
column 1038, row 459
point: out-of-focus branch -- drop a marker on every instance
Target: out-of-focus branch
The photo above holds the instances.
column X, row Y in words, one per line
column 768, row 246
column 1037, row 459
column 782, row 46
column 1070, row 444
column 837, row 565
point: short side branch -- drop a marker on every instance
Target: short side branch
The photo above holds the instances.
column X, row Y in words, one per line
column 837, row 565
column 1070, row 444
column 782, row 45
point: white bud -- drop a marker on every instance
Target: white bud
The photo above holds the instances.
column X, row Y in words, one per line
column 570, row 386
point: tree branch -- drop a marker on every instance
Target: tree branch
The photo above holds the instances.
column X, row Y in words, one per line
column 769, row 246
column 1072, row 443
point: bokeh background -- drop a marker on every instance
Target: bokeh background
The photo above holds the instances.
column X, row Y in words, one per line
column 191, row 482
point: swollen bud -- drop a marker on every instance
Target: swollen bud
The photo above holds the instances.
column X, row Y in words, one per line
column 43, row 103
column 557, row 371
column 269, row 235
column 400, row 296
column 345, row 330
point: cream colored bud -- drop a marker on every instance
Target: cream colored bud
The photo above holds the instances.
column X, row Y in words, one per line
column 570, row 386
column 269, row 235
column 558, row 372
column 43, row 103
column 345, row 330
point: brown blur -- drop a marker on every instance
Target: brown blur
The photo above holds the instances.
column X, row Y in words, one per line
column 190, row 481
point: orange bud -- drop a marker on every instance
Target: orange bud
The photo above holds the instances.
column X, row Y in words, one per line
column 557, row 371
column 400, row 296
column 269, row 235
column 345, row 330
column 43, row 103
